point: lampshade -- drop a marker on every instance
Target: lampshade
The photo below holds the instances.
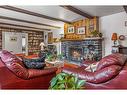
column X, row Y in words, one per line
column 114, row 36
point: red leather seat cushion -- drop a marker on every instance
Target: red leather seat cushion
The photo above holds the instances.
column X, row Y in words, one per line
column 113, row 59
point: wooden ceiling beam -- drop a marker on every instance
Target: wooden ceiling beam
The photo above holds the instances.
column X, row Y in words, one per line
column 31, row 13
column 31, row 30
column 77, row 11
column 26, row 21
column 125, row 8
column 41, row 29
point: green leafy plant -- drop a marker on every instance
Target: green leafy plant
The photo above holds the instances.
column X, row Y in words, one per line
column 66, row 81
column 60, row 56
column 51, row 57
column 95, row 33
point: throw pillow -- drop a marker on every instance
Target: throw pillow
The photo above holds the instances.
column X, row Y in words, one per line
column 34, row 63
column 92, row 67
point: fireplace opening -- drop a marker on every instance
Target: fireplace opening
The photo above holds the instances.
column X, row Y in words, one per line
column 75, row 54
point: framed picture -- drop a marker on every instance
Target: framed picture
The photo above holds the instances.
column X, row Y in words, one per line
column 71, row 29
column 12, row 38
column 81, row 30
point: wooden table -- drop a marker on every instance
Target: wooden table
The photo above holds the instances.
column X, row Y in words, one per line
column 61, row 66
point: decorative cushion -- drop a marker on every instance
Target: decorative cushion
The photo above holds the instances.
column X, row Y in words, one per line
column 113, row 59
column 92, row 67
column 106, row 74
column 8, row 57
column 34, row 63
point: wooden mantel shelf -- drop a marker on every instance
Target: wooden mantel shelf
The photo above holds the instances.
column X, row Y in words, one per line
column 93, row 38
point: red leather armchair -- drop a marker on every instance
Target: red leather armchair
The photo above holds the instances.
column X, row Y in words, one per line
column 111, row 73
column 14, row 75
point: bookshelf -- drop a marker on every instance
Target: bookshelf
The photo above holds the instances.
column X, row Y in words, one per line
column 34, row 39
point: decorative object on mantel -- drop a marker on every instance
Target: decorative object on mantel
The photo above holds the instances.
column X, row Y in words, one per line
column 95, row 33
column 114, row 38
column 121, row 37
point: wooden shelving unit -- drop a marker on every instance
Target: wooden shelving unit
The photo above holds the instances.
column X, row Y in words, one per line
column 34, row 40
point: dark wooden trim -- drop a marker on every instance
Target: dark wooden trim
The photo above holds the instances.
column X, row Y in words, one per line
column 22, row 29
column 77, row 11
column 125, row 8
column 32, row 13
column 26, row 21
column 2, row 23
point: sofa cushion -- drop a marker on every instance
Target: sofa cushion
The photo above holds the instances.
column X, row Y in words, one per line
column 92, row 67
column 18, row 70
column 106, row 74
column 113, row 59
column 34, row 63
column 97, row 77
column 8, row 57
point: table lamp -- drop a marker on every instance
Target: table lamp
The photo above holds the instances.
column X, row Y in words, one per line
column 114, row 38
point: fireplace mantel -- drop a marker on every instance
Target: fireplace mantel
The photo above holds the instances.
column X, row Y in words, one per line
column 93, row 38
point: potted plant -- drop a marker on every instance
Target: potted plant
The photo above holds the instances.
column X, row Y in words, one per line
column 64, row 81
column 96, row 34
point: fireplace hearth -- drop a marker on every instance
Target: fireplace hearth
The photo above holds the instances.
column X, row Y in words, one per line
column 76, row 51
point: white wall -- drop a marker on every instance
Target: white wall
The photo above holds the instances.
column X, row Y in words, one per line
column 113, row 23
column 13, row 46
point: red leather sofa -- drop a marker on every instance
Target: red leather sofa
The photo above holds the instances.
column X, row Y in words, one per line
column 14, row 75
column 111, row 73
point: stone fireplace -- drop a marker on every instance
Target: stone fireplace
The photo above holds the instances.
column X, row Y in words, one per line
column 76, row 50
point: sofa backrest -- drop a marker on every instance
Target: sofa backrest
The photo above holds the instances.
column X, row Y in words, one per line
column 14, row 64
column 9, row 57
column 113, row 59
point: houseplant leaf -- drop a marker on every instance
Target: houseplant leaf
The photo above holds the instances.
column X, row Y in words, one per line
column 80, row 83
column 66, row 81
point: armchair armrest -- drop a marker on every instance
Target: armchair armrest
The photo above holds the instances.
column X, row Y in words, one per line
column 101, row 75
column 86, row 63
column 32, row 73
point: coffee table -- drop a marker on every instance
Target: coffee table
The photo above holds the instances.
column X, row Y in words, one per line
column 61, row 65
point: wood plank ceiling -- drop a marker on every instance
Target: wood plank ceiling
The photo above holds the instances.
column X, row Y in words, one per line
column 35, row 17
